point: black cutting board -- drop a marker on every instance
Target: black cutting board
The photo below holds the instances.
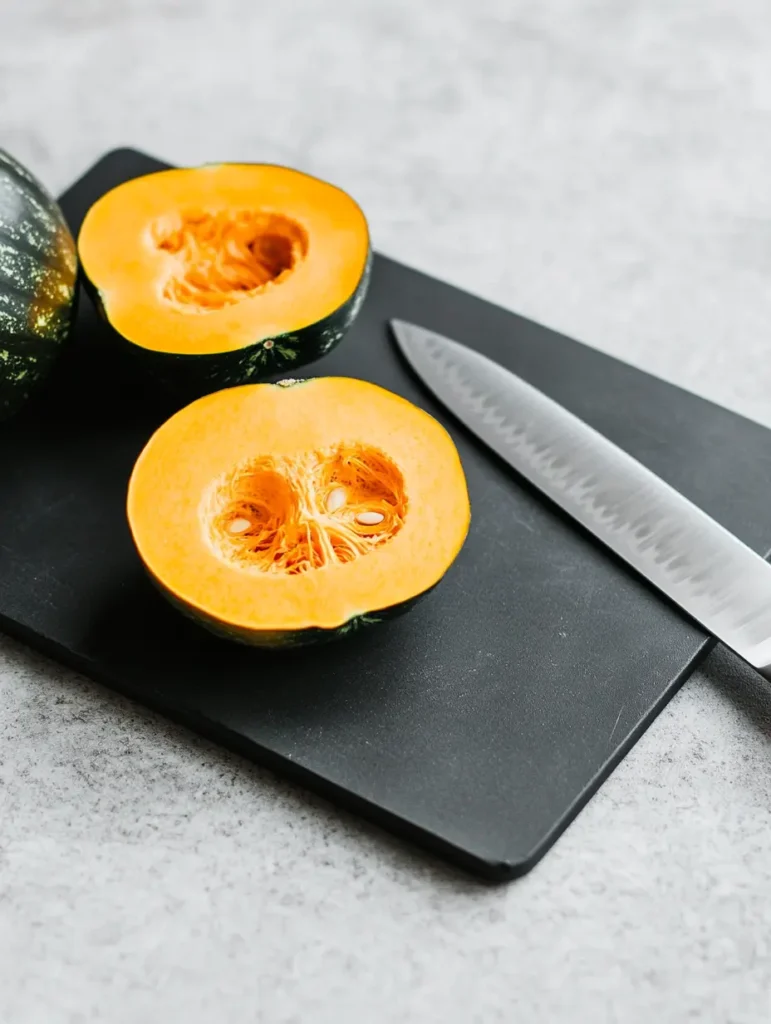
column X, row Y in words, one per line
column 478, row 724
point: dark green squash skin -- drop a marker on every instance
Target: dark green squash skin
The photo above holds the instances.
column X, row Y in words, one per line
column 192, row 376
column 38, row 278
column 287, row 639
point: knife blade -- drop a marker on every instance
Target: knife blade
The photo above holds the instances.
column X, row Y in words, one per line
column 708, row 572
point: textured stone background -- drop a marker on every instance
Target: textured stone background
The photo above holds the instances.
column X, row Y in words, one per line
column 601, row 166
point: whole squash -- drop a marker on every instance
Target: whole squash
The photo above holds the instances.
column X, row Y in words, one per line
column 38, row 275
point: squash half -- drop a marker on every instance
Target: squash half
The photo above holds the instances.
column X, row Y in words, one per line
column 227, row 273
column 281, row 514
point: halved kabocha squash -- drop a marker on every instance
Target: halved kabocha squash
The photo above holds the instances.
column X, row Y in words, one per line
column 282, row 514
column 228, row 273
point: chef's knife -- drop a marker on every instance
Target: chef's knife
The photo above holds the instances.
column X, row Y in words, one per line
column 707, row 571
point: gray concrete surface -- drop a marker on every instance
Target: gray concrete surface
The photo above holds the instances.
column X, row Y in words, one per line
column 600, row 166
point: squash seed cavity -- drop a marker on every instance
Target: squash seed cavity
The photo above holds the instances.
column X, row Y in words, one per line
column 220, row 258
column 292, row 515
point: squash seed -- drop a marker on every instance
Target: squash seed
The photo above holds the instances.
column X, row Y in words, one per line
column 238, row 525
column 370, row 518
column 336, row 499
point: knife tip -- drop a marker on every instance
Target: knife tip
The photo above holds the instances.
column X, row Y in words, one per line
column 402, row 331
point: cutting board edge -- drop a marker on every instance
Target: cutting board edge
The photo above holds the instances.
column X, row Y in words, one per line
column 484, row 866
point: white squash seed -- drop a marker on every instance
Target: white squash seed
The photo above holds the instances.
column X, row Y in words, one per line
column 370, row 518
column 336, row 499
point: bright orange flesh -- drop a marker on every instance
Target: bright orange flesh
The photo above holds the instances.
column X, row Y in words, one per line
column 235, row 504
column 260, row 250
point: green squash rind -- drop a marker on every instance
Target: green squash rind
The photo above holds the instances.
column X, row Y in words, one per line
column 192, row 376
column 286, row 639
column 38, row 284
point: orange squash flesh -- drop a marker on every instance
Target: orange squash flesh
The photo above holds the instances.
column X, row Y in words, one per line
column 264, row 509
column 212, row 259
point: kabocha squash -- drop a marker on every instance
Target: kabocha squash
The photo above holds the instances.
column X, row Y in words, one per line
column 282, row 514
column 38, row 271
column 227, row 273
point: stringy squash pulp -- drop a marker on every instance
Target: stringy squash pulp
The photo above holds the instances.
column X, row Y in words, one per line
column 272, row 513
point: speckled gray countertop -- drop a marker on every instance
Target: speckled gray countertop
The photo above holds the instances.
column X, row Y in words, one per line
column 600, row 166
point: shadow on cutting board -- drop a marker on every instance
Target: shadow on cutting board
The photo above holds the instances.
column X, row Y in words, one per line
column 144, row 639
column 247, row 699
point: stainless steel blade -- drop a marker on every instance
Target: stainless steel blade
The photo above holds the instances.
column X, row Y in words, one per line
column 701, row 566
